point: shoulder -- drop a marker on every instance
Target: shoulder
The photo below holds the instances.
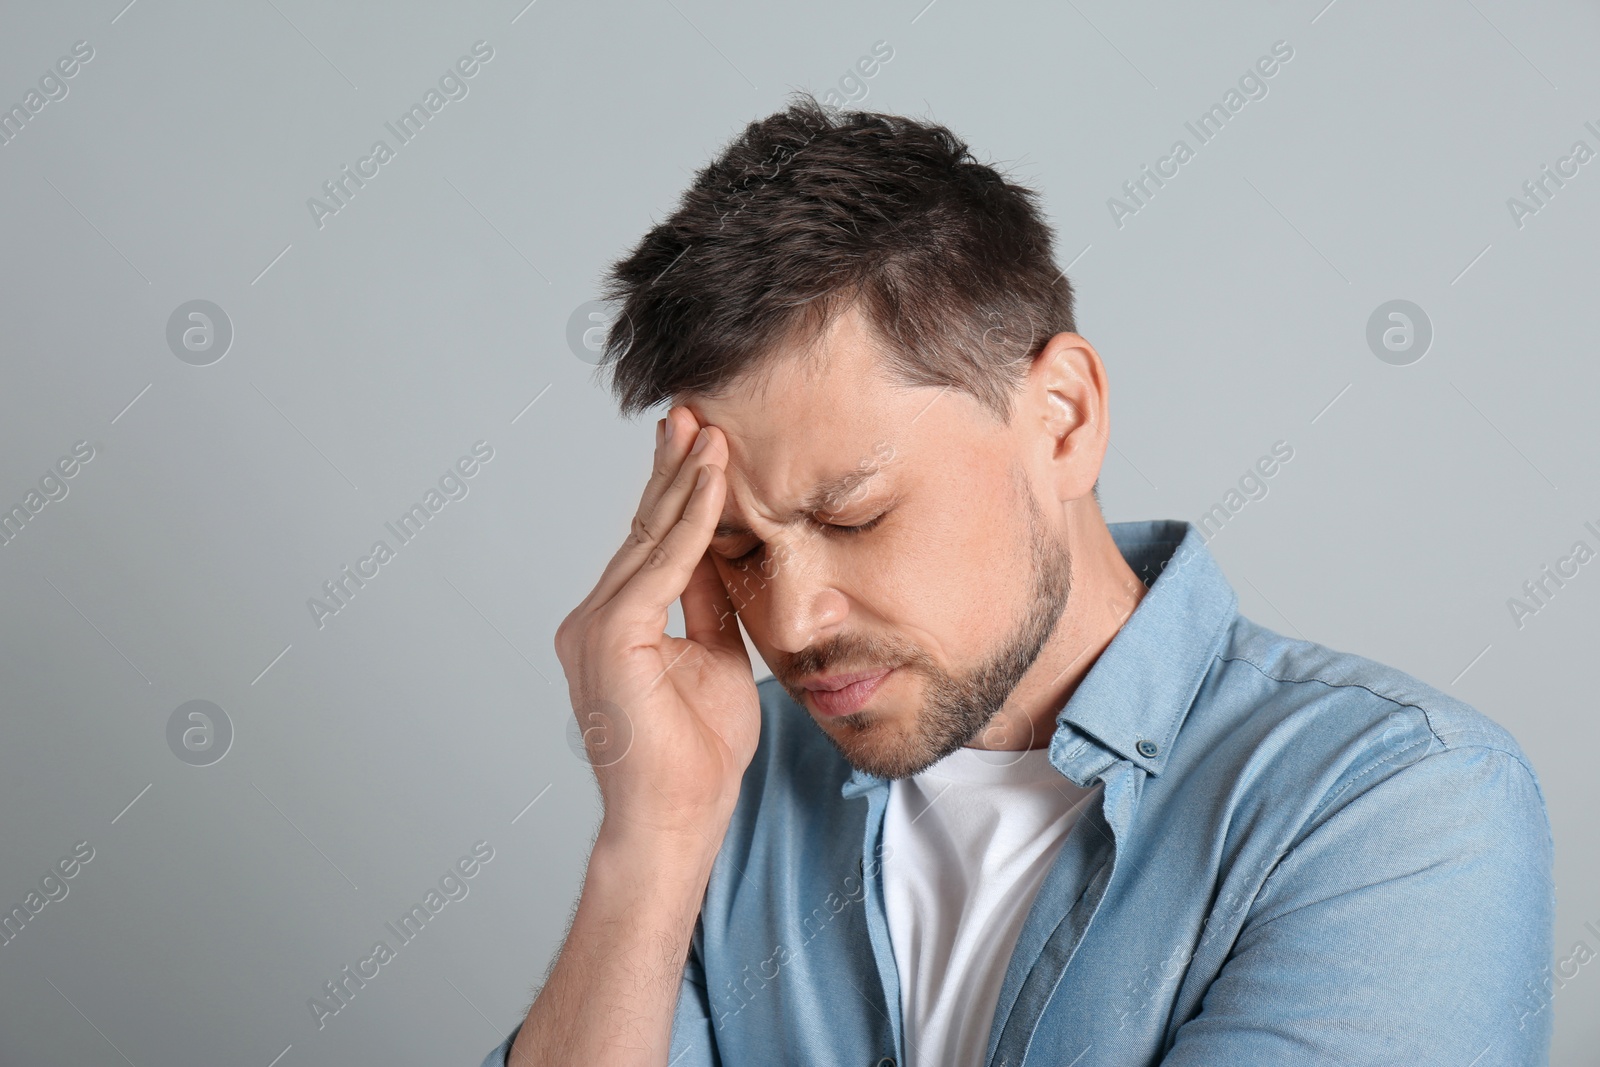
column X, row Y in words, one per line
column 1304, row 670
column 1338, row 724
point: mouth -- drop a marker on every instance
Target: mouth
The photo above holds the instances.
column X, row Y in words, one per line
column 845, row 694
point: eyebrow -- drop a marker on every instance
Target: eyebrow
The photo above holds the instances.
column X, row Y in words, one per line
column 816, row 500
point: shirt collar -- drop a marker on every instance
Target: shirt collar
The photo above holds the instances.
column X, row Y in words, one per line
column 1134, row 698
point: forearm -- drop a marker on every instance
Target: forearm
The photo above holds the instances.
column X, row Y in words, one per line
column 611, row 996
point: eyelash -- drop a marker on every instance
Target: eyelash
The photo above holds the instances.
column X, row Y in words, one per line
column 859, row 529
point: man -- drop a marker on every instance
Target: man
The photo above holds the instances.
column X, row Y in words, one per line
column 1023, row 788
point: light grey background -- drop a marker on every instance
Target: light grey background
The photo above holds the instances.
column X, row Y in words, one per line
column 431, row 311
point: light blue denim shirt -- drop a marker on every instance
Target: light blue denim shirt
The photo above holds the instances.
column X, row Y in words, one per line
column 1299, row 857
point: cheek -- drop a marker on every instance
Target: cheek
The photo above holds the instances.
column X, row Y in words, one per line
column 971, row 563
column 947, row 582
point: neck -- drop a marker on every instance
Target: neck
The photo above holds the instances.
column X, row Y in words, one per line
column 1105, row 592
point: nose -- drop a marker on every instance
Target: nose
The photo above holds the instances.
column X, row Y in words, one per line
column 794, row 598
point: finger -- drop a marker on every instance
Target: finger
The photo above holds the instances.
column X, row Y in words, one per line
column 664, row 573
column 708, row 615
column 669, row 458
column 667, row 464
column 651, row 527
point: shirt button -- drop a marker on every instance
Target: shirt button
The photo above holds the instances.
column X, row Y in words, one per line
column 1147, row 749
column 885, row 1062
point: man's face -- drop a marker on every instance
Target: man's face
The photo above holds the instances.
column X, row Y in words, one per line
column 956, row 585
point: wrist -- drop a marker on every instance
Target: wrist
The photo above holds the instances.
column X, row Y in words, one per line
column 654, row 885
column 685, row 848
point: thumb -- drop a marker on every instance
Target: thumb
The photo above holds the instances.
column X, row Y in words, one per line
column 708, row 615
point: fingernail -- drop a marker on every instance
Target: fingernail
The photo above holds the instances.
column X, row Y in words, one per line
column 669, row 421
column 700, row 479
column 700, row 441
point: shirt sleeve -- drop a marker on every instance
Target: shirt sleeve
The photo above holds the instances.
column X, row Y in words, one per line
column 1412, row 925
column 692, row 1044
column 692, row 1037
column 497, row 1058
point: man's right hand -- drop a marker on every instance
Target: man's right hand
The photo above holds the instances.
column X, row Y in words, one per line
column 670, row 723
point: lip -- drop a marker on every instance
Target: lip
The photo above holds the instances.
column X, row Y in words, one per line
column 829, row 683
column 848, row 693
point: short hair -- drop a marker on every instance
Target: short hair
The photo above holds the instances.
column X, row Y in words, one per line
column 812, row 211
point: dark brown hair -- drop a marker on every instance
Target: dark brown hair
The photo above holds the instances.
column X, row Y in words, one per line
column 813, row 210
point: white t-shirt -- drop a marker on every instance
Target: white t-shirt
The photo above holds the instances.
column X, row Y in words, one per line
column 967, row 843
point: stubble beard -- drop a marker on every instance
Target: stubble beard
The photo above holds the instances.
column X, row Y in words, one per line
column 957, row 708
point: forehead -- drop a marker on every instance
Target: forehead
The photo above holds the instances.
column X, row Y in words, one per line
column 811, row 417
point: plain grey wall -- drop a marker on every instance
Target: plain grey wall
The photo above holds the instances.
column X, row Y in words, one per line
column 373, row 347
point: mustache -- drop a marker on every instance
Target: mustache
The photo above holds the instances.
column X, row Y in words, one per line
column 842, row 656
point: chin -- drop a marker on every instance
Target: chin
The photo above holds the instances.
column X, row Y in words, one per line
column 874, row 741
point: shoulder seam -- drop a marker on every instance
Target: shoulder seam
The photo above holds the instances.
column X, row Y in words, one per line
column 1458, row 739
column 1332, row 685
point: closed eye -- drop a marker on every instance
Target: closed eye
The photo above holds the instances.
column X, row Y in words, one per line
column 860, row 528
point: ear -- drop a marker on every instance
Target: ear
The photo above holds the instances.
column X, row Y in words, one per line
column 1069, row 404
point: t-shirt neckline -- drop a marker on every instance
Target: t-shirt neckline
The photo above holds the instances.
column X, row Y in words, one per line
column 981, row 766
